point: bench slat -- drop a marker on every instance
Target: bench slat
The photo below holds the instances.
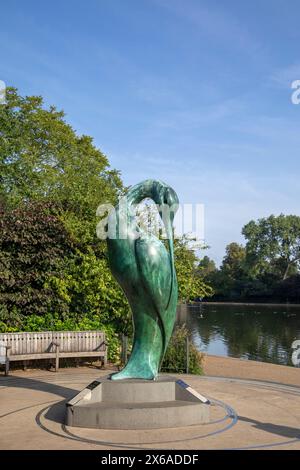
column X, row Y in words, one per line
column 25, row 357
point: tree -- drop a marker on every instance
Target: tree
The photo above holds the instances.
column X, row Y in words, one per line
column 230, row 281
column 233, row 262
column 273, row 245
column 207, row 266
column 191, row 284
column 42, row 158
column 51, row 183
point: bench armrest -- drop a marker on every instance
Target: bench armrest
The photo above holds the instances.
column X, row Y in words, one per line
column 104, row 343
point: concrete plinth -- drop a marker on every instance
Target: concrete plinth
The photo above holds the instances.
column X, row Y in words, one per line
column 137, row 404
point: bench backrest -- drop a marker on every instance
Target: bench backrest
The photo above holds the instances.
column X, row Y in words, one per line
column 79, row 341
column 42, row 342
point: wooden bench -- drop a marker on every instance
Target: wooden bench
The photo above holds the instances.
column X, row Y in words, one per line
column 51, row 345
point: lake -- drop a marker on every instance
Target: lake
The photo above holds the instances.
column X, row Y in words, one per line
column 255, row 332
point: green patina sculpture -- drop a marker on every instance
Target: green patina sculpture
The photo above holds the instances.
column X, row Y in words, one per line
column 145, row 270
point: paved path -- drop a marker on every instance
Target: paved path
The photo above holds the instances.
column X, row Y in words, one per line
column 231, row 367
column 244, row 414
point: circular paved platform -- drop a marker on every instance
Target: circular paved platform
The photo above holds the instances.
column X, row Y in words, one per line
column 244, row 414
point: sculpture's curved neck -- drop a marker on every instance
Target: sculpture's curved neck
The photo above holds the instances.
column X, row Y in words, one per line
column 147, row 189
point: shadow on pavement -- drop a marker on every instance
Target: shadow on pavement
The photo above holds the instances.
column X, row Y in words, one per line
column 33, row 384
column 285, row 431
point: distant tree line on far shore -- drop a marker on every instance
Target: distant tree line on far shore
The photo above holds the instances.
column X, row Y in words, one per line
column 266, row 269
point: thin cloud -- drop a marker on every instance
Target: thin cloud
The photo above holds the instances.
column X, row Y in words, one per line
column 285, row 76
column 202, row 116
column 217, row 23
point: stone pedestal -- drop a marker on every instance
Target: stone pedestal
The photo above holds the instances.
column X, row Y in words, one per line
column 137, row 404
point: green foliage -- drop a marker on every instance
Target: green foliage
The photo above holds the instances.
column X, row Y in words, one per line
column 273, row 245
column 207, row 266
column 33, row 242
column 90, row 290
column 229, row 280
column 175, row 357
column 190, row 281
column 44, row 271
column 233, row 262
column 42, row 158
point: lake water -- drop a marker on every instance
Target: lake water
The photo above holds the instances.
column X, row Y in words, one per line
column 256, row 332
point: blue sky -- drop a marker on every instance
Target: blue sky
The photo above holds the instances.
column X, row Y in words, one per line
column 194, row 92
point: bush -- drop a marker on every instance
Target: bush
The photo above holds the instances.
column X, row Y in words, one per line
column 90, row 291
column 175, row 357
column 33, row 243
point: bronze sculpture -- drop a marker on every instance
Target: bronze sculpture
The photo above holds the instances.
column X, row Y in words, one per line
column 145, row 270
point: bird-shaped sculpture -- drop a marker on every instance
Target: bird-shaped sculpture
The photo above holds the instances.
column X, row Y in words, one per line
column 144, row 268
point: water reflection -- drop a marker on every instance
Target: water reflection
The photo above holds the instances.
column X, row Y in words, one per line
column 261, row 333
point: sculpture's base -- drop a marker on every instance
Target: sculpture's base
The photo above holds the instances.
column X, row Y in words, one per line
column 137, row 404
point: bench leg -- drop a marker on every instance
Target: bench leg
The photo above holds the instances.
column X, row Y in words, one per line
column 57, row 359
column 7, row 366
column 105, row 359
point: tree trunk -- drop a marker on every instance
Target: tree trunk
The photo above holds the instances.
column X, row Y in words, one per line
column 288, row 267
column 286, row 272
